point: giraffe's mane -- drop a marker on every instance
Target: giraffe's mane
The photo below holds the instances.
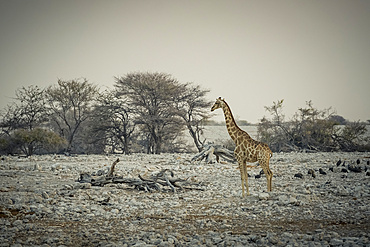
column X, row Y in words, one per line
column 232, row 116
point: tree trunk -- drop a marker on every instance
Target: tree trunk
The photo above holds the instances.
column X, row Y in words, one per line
column 195, row 139
column 211, row 149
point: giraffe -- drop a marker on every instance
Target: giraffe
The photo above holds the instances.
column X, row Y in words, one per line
column 247, row 149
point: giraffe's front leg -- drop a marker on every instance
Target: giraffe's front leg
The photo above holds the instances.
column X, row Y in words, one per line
column 246, row 177
column 270, row 181
column 242, row 177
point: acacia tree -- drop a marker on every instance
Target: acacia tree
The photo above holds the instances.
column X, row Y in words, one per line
column 112, row 121
column 151, row 97
column 27, row 112
column 70, row 104
column 193, row 108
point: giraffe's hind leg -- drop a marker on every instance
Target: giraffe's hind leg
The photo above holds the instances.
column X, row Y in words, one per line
column 246, row 177
column 242, row 177
column 268, row 173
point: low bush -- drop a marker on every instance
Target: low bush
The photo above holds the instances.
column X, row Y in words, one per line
column 29, row 142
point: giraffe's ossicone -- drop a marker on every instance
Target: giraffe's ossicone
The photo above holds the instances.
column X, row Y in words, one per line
column 247, row 149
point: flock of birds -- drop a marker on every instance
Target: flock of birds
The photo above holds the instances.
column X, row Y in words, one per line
column 345, row 168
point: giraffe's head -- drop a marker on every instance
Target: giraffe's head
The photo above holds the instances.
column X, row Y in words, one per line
column 218, row 104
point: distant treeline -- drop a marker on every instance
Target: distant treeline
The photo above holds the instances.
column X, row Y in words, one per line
column 144, row 112
column 150, row 112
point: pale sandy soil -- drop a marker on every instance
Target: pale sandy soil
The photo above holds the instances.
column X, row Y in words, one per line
column 42, row 204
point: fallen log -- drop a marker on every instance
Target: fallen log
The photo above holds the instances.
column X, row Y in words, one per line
column 100, row 177
column 163, row 181
column 218, row 151
column 211, row 149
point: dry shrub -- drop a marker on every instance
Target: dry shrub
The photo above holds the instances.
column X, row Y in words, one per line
column 310, row 129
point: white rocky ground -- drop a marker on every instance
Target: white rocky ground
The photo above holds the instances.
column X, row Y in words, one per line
column 42, row 204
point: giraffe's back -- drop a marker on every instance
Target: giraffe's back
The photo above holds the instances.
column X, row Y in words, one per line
column 251, row 150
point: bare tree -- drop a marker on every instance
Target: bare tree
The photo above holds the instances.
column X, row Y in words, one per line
column 113, row 121
column 313, row 128
column 152, row 97
column 352, row 137
column 29, row 110
column 276, row 131
column 70, row 104
column 193, row 108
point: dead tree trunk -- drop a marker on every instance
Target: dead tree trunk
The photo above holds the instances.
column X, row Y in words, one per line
column 110, row 173
column 159, row 182
column 217, row 150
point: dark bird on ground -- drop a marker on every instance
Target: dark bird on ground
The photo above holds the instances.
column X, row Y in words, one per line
column 321, row 171
column 358, row 161
column 105, row 201
column 353, row 168
column 338, row 163
column 298, row 175
column 312, row 173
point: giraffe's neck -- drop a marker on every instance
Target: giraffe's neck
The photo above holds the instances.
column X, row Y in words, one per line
column 231, row 125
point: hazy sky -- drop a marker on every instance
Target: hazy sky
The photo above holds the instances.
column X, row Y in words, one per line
column 249, row 52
